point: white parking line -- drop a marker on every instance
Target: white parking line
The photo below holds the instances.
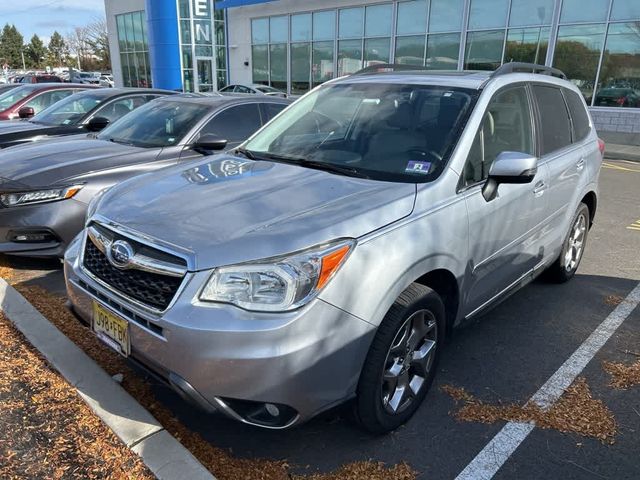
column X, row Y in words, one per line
column 487, row 463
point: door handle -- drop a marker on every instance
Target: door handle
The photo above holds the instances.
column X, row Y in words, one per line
column 539, row 189
column 580, row 165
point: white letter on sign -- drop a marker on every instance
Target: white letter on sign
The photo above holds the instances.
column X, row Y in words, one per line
column 201, row 8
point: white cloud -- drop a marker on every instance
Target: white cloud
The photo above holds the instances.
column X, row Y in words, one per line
column 33, row 6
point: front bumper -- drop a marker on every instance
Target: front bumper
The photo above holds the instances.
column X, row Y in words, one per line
column 61, row 220
column 228, row 359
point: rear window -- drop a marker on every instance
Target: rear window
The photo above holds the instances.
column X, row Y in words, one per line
column 579, row 116
column 555, row 125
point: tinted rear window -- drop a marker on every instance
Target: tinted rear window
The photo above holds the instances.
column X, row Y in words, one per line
column 579, row 115
column 555, row 126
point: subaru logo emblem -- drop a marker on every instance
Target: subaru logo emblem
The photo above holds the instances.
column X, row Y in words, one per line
column 120, row 254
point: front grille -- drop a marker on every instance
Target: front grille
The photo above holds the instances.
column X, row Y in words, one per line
column 152, row 289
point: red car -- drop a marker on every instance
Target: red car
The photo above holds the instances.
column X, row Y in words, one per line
column 27, row 100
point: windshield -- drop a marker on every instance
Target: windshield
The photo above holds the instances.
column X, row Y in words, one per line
column 390, row 132
column 68, row 111
column 8, row 99
column 156, row 124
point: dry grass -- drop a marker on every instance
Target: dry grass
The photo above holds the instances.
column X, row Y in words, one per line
column 623, row 376
column 46, row 430
column 219, row 461
column 576, row 412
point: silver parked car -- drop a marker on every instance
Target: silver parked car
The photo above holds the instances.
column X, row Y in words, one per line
column 328, row 257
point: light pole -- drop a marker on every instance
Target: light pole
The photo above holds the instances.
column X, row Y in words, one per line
column 24, row 66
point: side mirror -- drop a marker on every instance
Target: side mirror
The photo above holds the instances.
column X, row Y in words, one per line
column 97, row 123
column 26, row 112
column 208, row 142
column 509, row 167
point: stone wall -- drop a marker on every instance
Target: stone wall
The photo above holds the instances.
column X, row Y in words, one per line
column 617, row 125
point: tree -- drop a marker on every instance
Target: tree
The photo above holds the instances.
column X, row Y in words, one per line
column 11, row 44
column 58, row 50
column 35, row 53
column 98, row 42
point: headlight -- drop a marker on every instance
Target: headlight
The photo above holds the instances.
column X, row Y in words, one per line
column 93, row 204
column 39, row 196
column 279, row 284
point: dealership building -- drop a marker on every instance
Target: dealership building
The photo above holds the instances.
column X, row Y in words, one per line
column 295, row 45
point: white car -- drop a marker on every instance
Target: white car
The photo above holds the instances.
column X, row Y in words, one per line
column 107, row 81
column 254, row 89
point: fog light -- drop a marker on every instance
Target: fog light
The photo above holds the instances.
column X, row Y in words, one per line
column 40, row 236
column 272, row 409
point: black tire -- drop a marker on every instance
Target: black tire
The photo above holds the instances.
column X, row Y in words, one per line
column 372, row 408
column 560, row 271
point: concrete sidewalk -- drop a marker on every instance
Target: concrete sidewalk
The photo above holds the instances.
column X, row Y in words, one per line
column 614, row 151
column 130, row 421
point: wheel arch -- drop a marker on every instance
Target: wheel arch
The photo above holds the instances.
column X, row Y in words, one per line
column 591, row 201
column 444, row 283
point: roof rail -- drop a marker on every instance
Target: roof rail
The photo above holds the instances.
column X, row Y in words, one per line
column 521, row 67
column 389, row 67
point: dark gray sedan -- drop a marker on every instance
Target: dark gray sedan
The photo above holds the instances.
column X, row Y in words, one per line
column 45, row 187
column 86, row 111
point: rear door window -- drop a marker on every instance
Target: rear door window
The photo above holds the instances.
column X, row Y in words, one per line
column 579, row 116
column 555, row 126
column 48, row 98
column 270, row 110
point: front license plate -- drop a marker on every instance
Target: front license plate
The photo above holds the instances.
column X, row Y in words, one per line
column 111, row 329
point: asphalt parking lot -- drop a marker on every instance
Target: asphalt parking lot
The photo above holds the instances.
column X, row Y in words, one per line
column 504, row 357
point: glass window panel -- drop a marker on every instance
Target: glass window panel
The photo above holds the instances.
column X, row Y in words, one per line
column 527, row 45
column 183, row 8
column 351, row 22
column 128, row 26
column 221, row 58
column 322, row 68
column 122, row 38
column 484, row 50
column 579, row 116
column 137, row 31
column 446, row 15
column 187, row 80
column 259, row 30
column 147, row 71
column 133, row 71
column 625, row 10
column 619, row 84
column 278, row 66
column 218, row 15
column 443, row 51
column 556, row 129
column 412, row 17
column 378, row 20
column 488, row 14
column 126, row 80
column 577, row 54
column 349, row 56
column 301, row 27
column 584, row 10
column 185, row 31
column 376, row 50
column 260, row 64
column 142, row 77
column 220, row 36
column 279, row 29
column 324, row 25
column 145, row 45
column 204, row 51
column 531, row 12
column 410, row 50
column 221, row 76
column 187, row 57
column 300, row 67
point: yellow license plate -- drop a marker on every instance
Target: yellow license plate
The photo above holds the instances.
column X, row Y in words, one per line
column 111, row 329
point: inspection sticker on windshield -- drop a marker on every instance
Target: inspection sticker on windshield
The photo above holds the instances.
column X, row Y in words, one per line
column 418, row 167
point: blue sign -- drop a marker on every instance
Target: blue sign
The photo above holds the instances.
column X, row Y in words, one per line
column 220, row 4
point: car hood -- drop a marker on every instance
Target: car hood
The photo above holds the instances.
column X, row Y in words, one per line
column 15, row 126
column 228, row 210
column 54, row 161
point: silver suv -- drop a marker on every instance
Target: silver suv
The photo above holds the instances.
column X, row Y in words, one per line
column 328, row 257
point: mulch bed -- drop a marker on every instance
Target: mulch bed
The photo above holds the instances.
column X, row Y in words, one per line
column 46, row 430
column 219, row 461
column 576, row 411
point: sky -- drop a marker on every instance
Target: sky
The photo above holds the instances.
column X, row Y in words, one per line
column 42, row 17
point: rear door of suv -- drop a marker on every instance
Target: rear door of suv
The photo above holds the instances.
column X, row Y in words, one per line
column 565, row 159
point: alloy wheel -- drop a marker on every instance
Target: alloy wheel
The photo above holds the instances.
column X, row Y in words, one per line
column 575, row 245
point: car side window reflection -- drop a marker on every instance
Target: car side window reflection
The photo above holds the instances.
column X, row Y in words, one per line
column 506, row 127
column 235, row 124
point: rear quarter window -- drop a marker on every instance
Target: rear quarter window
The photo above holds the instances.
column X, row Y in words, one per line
column 555, row 125
column 579, row 115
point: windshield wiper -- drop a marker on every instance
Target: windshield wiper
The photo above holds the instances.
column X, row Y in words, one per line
column 121, row 142
column 327, row 167
column 247, row 153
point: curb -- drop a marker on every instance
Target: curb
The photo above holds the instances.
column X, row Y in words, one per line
column 130, row 421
